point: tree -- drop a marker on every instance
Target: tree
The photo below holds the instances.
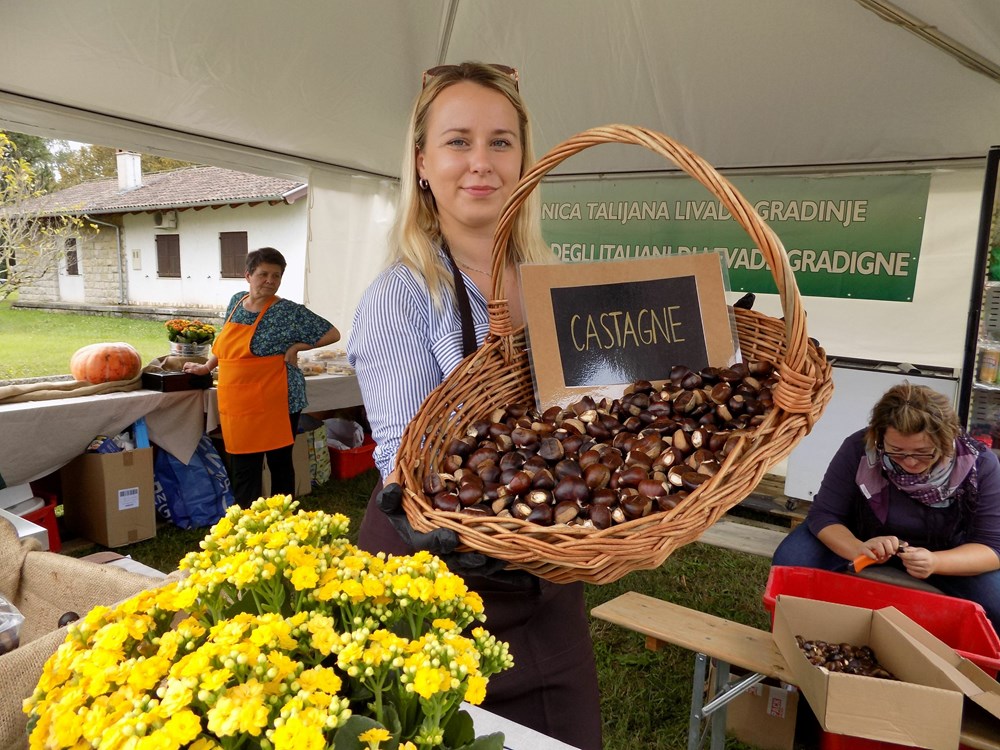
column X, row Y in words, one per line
column 43, row 155
column 100, row 162
column 31, row 242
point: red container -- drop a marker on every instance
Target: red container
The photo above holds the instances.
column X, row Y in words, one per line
column 46, row 516
column 960, row 623
column 830, row 741
column 350, row 462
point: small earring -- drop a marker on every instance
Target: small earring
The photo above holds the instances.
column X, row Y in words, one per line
column 423, row 183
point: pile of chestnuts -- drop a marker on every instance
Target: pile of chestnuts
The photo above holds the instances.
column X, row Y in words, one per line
column 595, row 464
column 843, row 657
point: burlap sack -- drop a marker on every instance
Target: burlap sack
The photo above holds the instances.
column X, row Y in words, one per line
column 43, row 586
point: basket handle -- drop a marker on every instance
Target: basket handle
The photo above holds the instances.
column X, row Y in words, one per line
column 798, row 379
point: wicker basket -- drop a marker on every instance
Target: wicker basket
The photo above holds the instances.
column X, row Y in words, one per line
column 498, row 374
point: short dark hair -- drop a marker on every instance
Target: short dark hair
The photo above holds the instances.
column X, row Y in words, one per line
column 265, row 255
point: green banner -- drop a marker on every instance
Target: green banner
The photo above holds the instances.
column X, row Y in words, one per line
column 854, row 236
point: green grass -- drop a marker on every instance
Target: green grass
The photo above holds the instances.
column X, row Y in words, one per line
column 646, row 696
column 35, row 343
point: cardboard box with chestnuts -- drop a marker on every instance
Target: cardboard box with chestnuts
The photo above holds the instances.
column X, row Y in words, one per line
column 919, row 704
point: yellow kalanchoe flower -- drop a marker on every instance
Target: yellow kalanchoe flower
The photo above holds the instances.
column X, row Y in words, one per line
column 278, row 625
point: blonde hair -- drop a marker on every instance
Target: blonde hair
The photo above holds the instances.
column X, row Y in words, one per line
column 416, row 233
column 911, row 409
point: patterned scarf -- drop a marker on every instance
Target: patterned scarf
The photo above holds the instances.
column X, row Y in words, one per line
column 934, row 488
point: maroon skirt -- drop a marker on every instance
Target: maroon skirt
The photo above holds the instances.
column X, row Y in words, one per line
column 552, row 687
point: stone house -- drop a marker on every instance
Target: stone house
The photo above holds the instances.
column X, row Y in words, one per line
column 169, row 243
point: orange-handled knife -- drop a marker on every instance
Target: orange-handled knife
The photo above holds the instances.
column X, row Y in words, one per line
column 863, row 561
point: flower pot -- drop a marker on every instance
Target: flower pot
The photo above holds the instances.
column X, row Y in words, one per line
column 190, row 350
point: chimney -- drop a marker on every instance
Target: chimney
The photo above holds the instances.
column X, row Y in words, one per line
column 129, row 170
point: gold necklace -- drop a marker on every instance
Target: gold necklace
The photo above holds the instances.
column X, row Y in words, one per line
column 467, row 267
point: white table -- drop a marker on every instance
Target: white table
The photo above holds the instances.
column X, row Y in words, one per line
column 39, row 437
column 515, row 736
column 323, row 393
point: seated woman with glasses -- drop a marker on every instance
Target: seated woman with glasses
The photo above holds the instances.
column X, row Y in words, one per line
column 914, row 491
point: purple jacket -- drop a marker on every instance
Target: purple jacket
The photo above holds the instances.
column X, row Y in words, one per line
column 975, row 519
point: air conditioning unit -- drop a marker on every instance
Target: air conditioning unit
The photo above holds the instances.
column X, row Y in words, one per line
column 165, row 220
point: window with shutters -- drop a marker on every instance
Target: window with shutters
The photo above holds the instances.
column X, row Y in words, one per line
column 233, row 250
column 168, row 256
column 72, row 257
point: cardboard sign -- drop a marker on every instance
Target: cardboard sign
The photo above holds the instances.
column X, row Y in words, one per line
column 595, row 328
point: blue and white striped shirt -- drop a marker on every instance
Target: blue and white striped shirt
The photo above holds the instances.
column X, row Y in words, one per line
column 403, row 348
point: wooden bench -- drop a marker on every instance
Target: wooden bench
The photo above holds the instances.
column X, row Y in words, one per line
column 729, row 644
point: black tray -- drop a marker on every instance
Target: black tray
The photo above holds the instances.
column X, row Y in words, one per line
column 175, row 381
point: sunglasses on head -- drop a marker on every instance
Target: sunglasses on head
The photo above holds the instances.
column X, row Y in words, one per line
column 440, row 69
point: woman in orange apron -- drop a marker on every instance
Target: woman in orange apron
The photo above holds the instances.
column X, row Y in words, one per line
column 261, row 390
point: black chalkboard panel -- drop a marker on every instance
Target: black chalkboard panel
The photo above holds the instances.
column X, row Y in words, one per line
column 595, row 328
column 620, row 333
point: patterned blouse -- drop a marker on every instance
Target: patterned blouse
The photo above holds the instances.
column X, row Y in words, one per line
column 285, row 323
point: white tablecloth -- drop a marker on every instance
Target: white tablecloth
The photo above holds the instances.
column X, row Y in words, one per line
column 38, row 437
column 515, row 736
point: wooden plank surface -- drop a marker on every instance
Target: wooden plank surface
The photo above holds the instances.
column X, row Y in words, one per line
column 732, row 642
column 743, row 537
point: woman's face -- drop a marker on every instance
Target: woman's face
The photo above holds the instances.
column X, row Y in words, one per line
column 471, row 155
column 265, row 280
column 914, row 453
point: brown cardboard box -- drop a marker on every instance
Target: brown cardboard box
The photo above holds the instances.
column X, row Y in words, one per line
column 955, row 670
column 764, row 715
column 907, row 711
column 108, row 497
column 300, row 461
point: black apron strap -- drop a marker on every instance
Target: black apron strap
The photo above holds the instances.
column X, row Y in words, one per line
column 469, row 344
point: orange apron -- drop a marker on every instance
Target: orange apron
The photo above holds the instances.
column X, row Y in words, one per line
column 253, row 391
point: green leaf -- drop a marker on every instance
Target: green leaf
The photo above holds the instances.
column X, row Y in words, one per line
column 459, row 731
column 346, row 737
column 486, row 742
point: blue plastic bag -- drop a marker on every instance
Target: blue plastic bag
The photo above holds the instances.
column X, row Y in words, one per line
column 192, row 496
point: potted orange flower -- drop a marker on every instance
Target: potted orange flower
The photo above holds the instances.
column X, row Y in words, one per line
column 189, row 337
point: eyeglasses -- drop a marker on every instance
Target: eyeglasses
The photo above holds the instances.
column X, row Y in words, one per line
column 899, row 456
column 440, row 69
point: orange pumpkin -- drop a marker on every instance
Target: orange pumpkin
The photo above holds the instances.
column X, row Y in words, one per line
column 104, row 363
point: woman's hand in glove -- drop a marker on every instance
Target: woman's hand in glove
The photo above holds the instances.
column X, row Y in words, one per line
column 439, row 541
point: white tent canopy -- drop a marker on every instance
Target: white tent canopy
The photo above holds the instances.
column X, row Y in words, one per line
column 320, row 90
column 284, row 88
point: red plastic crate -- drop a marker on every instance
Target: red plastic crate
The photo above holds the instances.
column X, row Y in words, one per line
column 830, row 741
column 350, row 462
column 46, row 516
column 960, row 623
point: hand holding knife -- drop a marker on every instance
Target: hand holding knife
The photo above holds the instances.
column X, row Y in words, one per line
column 863, row 561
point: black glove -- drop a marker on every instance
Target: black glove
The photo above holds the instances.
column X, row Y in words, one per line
column 440, row 542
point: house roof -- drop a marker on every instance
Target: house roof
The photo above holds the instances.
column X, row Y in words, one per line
column 179, row 188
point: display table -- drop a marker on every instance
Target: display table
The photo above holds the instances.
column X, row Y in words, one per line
column 323, row 393
column 730, row 643
column 515, row 736
column 39, row 437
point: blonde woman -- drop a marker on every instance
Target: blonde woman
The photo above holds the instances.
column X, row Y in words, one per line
column 468, row 143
